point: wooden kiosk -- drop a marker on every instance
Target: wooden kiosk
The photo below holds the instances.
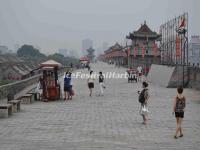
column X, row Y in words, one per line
column 51, row 86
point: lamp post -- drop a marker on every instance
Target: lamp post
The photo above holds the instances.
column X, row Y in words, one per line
column 183, row 32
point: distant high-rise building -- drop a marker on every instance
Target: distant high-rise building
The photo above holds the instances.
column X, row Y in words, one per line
column 194, row 49
column 86, row 44
column 64, row 52
column 73, row 53
column 68, row 53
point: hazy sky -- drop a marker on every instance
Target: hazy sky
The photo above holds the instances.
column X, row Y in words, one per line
column 54, row 24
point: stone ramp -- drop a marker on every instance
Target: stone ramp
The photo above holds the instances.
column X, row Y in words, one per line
column 21, row 93
column 160, row 75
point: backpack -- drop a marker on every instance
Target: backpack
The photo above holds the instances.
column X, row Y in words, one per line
column 141, row 96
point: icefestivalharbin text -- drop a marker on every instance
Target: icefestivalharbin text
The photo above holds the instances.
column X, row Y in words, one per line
column 95, row 75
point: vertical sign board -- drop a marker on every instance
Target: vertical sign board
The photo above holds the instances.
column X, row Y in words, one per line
column 172, row 43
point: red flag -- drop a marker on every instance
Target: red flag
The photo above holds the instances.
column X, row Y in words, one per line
column 178, row 47
column 143, row 51
column 182, row 23
column 155, row 49
column 135, row 51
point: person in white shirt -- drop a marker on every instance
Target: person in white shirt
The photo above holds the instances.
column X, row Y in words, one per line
column 139, row 71
column 91, row 82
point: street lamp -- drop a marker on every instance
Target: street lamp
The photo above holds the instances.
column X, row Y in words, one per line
column 183, row 32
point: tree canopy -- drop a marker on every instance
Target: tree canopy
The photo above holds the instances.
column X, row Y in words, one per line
column 66, row 61
column 28, row 51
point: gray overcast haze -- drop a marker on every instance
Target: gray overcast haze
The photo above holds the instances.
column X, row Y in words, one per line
column 54, row 24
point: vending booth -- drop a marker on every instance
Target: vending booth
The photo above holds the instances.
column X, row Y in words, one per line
column 50, row 85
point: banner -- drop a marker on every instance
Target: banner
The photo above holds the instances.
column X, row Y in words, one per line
column 182, row 23
column 178, row 47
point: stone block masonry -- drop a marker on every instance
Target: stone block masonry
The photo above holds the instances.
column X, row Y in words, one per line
column 16, row 87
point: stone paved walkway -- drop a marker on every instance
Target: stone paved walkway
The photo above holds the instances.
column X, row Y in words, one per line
column 111, row 122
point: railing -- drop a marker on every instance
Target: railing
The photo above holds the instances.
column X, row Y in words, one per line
column 14, row 88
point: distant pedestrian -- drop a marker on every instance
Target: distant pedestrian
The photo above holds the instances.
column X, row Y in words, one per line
column 91, row 82
column 143, row 99
column 101, row 84
column 71, row 91
column 71, row 65
column 39, row 88
column 139, row 71
column 179, row 109
column 88, row 66
column 67, row 86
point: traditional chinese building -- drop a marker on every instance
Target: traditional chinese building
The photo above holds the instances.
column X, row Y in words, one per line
column 114, row 54
column 144, row 50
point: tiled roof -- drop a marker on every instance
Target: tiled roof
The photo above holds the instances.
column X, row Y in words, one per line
column 84, row 58
column 51, row 63
column 143, row 31
column 114, row 47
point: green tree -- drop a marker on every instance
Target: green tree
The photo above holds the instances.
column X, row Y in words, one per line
column 65, row 61
column 28, row 52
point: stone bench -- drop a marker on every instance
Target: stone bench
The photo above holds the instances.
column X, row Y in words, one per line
column 15, row 105
column 5, row 110
column 27, row 99
column 36, row 96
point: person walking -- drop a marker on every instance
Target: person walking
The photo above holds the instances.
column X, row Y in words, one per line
column 71, row 91
column 39, row 88
column 67, row 86
column 139, row 71
column 91, row 82
column 143, row 99
column 179, row 109
column 101, row 84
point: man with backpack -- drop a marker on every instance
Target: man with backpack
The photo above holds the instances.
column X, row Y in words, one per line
column 143, row 99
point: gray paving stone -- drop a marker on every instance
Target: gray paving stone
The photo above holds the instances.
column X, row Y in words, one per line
column 103, row 123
